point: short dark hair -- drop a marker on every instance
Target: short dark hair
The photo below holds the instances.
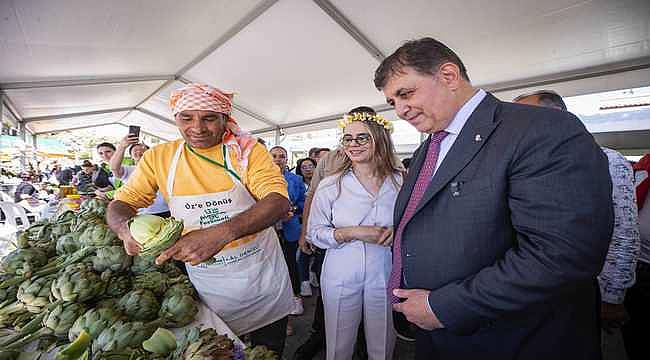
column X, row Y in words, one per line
column 425, row 55
column 281, row 148
column 106, row 144
column 313, row 151
column 86, row 163
column 299, row 164
column 547, row 98
column 362, row 109
column 134, row 145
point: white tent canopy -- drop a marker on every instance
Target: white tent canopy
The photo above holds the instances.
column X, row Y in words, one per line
column 79, row 63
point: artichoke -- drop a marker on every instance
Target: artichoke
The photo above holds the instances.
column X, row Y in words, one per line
column 38, row 231
column 59, row 230
column 34, row 294
column 9, row 355
column 260, row 352
column 93, row 321
column 23, row 261
column 158, row 282
column 122, row 336
column 184, row 288
column 21, row 319
column 62, row 317
column 145, row 264
column 57, row 322
column 154, row 233
column 66, row 217
column 154, row 281
column 77, row 349
column 52, row 267
column 178, row 309
column 92, row 209
column 172, row 269
column 77, row 283
column 110, row 303
column 209, row 345
column 80, row 224
column 7, row 295
column 118, row 286
column 38, row 236
column 140, row 305
column 35, row 233
column 111, row 258
column 14, row 318
column 98, row 235
column 68, row 243
column 92, row 205
column 161, row 342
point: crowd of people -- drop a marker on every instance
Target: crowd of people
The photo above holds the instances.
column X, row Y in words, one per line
column 510, row 234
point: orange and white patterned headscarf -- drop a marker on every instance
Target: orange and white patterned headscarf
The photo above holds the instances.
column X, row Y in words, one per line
column 208, row 98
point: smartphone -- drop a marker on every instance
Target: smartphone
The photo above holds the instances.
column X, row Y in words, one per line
column 134, row 131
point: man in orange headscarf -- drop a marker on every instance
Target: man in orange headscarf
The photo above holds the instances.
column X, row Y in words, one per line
column 225, row 188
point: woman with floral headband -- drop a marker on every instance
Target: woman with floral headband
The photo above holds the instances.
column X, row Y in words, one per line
column 352, row 217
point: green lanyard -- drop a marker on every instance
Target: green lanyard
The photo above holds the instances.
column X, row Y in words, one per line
column 224, row 165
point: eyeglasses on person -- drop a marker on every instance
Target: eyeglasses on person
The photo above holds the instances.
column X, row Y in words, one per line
column 361, row 139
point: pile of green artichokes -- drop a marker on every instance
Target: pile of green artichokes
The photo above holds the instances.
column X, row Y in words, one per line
column 70, row 285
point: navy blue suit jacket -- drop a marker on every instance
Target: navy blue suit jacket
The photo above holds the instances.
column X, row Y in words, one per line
column 510, row 235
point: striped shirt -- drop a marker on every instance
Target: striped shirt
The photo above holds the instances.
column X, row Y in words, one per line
column 617, row 274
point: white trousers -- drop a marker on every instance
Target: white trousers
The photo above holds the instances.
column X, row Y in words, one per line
column 354, row 281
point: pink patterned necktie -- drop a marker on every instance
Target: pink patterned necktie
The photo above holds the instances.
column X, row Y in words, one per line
column 424, row 178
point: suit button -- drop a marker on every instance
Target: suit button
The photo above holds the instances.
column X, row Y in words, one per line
column 408, row 255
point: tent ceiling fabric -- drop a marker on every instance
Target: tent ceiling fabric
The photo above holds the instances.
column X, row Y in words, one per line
column 512, row 39
column 80, row 38
column 293, row 63
column 46, row 126
column 288, row 74
column 76, row 99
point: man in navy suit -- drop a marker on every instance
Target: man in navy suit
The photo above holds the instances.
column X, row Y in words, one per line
column 503, row 221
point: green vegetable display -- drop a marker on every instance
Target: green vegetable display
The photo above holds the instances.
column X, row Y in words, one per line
column 70, row 285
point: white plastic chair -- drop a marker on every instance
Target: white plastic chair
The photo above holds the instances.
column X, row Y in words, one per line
column 5, row 197
column 11, row 228
column 12, row 212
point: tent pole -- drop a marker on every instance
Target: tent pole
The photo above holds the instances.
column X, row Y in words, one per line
column 349, row 27
column 23, row 137
column 20, row 85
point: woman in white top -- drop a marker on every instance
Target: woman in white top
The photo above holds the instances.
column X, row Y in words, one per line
column 122, row 172
column 352, row 217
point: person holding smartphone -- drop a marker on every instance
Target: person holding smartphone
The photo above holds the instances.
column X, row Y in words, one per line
column 136, row 149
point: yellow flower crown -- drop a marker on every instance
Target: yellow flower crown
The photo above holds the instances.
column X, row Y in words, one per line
column 348, row 119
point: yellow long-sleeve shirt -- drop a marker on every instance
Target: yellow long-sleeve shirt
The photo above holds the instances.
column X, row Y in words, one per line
column 195, row 176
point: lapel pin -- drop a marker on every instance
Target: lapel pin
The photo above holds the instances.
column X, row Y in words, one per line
column 478, row 138
column 455, row 189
